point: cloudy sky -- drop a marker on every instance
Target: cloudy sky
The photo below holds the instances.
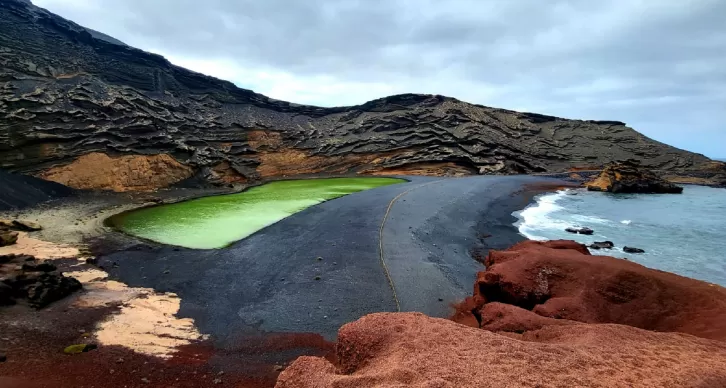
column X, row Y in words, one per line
column 658, row 65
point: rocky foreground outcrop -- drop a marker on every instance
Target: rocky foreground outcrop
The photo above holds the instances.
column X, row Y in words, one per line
column 543, row 314
column 9, row 230
column 562, row 280
column 630, row 177
column 413, row 350
column 68, row 92
column 37, row 283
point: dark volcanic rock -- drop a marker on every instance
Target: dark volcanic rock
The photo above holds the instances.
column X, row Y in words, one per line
column 38, row 283
column 585, row 231
column 6, row 294
column 51, row 287
column 16, row 258
column 629, row 177
column 602, row 245
column 632, row 250
column 39, row 267
column 69, row 92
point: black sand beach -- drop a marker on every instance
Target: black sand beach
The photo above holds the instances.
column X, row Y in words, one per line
column 285, row 290
column 267, row 282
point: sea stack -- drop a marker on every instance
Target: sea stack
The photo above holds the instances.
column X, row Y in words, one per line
column 629, row 176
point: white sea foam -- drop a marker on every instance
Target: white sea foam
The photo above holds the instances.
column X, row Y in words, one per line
column 585, row 220
column 626, row 222
column 537, row 216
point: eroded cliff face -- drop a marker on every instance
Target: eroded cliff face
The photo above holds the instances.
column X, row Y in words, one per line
column 66, row 93
column 122, row 173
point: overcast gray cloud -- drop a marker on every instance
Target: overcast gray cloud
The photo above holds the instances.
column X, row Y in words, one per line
column 659, row 65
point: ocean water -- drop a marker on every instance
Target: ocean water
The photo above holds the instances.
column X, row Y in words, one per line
column 684, row 234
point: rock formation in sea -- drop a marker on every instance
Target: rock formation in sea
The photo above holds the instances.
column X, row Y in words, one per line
column 585, row 231
column 78, row 105
column 602, row 245
column 629, row 176
column 543, row 314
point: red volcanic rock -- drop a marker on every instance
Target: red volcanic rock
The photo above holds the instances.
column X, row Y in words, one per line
column 410, row 349
column 502, row 317
column 549, row 310
column 560, row 279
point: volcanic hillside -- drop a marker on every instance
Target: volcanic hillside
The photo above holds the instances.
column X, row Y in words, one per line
column 83, row 109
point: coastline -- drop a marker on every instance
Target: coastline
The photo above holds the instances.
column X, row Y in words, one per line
column 192, row 364
column 639, row 220
column 501, row 227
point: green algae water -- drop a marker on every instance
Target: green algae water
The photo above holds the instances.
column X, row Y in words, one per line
column 215, row 222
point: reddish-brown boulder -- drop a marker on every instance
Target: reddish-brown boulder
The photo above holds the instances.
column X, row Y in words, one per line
column 629, row 177
column 410, row 349
column 560, row 279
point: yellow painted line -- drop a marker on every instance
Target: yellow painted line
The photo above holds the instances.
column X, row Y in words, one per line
column 380, row 240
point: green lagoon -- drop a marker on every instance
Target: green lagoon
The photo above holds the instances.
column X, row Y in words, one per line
column 217, row 221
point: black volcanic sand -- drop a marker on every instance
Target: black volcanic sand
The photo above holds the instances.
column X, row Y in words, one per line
column 284, row 291
column 319, row 269
column 20, row 191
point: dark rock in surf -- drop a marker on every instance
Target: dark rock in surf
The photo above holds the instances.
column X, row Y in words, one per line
column 632, row 250
column 602, row 245
column 585, row 231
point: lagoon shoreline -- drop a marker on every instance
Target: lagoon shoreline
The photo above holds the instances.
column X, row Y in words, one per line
column 140, row 263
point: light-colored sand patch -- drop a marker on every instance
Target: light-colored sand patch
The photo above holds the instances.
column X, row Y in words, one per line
column 42, row 250
column 146, row 321
column 88, row 276
column 147, row 324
